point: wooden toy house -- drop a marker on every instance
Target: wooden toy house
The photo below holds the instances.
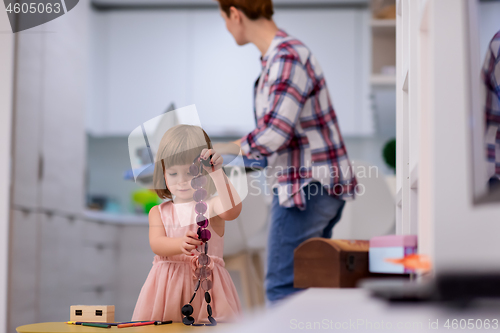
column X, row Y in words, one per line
column 93, row 313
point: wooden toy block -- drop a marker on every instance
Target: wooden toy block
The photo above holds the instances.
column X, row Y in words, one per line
column 93, row 313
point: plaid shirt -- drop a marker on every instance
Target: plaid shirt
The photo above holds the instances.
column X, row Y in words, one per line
column 297, row 127
column 491, row 79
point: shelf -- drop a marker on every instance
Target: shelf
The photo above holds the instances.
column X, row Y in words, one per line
column 383, row 80
column 383, row 23
column 120, row 219
column 383, row 26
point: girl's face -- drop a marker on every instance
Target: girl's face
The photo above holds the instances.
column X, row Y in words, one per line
column 178, row 180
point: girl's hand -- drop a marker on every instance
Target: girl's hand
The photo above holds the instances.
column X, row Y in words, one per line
column 190, row 242
column 216, row 159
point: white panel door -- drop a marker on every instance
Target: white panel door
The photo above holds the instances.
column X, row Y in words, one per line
column 28, row 114
column 339, row 40
column 23, row 273
column 60, row 264
column 222, row 76
column 63, row 109
column 147, row 66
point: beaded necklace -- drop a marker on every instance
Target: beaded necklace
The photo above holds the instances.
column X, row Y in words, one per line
column 203, row 272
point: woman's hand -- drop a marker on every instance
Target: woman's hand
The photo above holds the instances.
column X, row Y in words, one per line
column 228, row 148
column 216, row 161
column 190, row 242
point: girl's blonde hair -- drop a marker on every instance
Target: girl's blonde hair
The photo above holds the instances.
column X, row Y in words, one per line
column 180, row 145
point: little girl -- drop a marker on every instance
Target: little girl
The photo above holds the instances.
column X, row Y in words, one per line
column 174, row 235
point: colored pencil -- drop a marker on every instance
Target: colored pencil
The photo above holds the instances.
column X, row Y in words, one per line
column 144, row 324
column 112, row 324
column 136, row 324
column 96, row 325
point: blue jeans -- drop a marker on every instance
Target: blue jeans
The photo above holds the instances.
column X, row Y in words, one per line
column 289, row 228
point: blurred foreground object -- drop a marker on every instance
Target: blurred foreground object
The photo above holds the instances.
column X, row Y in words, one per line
column 391, row 246
column 331, row 263
column 413, row 262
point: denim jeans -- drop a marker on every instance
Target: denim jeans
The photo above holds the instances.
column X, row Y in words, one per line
column 292, row 226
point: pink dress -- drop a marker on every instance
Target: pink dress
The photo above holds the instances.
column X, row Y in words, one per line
column 171, row 281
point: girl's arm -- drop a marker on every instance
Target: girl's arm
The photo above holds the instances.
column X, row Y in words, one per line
column 224, row 205
column 227, row 205
column 167, row 246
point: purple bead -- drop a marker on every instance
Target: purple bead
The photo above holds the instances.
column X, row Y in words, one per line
column 200, row 194
column 202, row 221
column 194, row 169
column 198, row 182
column 206, row 285
column 205, row 235
column 203, row 259
column 202, row 273
column 200, row 208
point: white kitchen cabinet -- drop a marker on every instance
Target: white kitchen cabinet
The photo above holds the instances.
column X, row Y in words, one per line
column 49, row 143
column 63, row 115
column 134, row 251
column 140, row 66
column 74, row 266
column 339, row 39
column 27, row 131
column 143, row 60
column 222, row 76
column 60, row 269
column 23, row 273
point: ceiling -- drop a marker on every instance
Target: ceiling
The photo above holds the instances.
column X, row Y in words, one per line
column 110, row 4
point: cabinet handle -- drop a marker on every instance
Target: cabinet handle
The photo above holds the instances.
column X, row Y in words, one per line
column 40, row 167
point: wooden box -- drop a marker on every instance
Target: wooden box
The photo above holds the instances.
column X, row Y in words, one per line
column 330, row 263
column 93, row 313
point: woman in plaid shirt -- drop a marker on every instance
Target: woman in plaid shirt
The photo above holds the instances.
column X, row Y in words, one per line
column 491, row 80
column 298, row 133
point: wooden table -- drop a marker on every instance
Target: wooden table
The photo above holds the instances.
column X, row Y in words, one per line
column 58, row 327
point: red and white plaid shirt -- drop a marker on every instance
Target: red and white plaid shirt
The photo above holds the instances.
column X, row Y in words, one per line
column 491, row 80
column 297, row 128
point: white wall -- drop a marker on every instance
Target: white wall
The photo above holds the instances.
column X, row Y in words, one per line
column 6, row 92
column 465, row 236
column 489, row 23
column 458, row 235
column 144, row 60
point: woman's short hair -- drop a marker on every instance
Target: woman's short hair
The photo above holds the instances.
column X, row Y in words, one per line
column 253, row 9
column 180, row 145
